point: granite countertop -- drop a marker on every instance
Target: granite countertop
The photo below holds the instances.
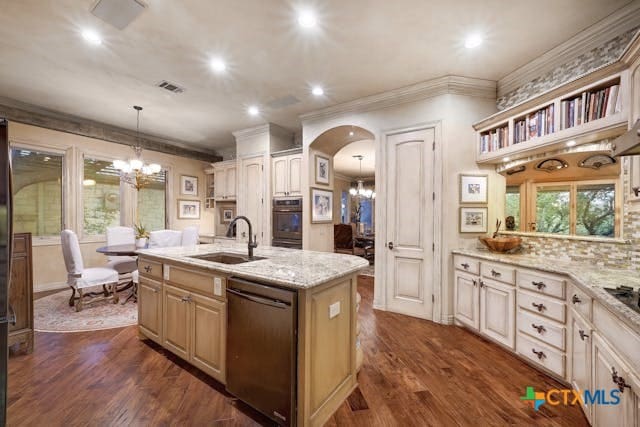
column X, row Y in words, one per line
column 589, row 277
column 292, row 268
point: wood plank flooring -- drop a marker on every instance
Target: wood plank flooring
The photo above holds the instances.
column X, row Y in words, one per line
column 415, row 373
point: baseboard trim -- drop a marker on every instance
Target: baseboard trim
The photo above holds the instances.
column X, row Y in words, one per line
column 447, row 319
column 44, row 287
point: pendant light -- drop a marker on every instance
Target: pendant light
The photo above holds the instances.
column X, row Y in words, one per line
column 359, row 190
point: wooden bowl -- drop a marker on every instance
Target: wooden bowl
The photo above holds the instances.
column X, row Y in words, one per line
column 501, row 244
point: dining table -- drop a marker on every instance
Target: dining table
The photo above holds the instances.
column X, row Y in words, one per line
column 123, row 250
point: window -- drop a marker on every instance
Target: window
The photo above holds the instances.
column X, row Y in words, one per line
column 37, row 190
column 152, row 203
column 100, row 197
column 366, row 213
column 344, row 208
column 576, row 208
column 512, row 204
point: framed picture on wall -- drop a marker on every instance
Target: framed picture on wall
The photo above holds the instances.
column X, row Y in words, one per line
column 188, row 185
column 227, row 215
column 473, row 188
column 322, row 170
column 321, row 206
column 473, row 220
column 188, row 209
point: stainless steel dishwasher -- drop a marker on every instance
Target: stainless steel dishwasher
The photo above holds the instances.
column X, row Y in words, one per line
column 261, row 348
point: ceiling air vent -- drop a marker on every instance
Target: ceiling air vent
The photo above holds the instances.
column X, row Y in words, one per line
column 171, row 87
column 118, row 13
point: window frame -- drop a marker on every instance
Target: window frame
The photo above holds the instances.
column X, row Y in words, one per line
column 528, row 206
column 65, row 211
column 167, row 195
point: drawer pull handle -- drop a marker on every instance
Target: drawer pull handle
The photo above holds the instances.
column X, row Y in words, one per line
column 539, row 285
column 619, row 381
column 147, row 268
column 538, row 328
column 575, row 299
column 495, row 273
column 186, row 299
column 583, row 335
column 481, row 283
column 540, row 306
column 540, row 354
column 465, row 265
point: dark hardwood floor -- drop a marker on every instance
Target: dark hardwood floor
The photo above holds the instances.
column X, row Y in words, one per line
column 415, row 373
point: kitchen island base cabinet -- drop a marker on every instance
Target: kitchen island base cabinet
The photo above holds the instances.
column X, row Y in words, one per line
column 150, row 308
column 208, row 335
column 176, row 321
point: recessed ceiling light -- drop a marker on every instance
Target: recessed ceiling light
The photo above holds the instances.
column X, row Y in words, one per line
column 506, row 159
column 253, row 110
column 571, row 143
column 351, row 133
column 473, row 40
column 218, row 65
column 317, row 91
column 307, row 19
column 91, row 37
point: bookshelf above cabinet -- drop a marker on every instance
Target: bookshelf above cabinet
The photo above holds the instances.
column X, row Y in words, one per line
column 591, row 108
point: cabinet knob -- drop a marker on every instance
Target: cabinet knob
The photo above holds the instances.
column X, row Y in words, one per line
column 538, row 328
column 465, row 265
column 540, row 306
column 474, row 282
column 495, row 273
column 147, row 268
column 618, row 380
column 540, row 354
column 575, row 299
column 539, row 285
column 481, row 283
column 582, row 335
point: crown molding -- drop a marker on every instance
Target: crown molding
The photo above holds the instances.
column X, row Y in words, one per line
column 21, row 112
column 457, row 85
column 617, row 23
column 270, row 128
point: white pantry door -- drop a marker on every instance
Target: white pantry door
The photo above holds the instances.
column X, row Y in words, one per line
column 252, row 198
column 409, row 251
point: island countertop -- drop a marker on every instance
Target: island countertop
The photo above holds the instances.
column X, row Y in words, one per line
column 292, row 268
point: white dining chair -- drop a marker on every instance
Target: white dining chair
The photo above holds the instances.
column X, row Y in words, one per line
column 121, row 236
column 190, row 235
column 165, row 238
column 80, row 278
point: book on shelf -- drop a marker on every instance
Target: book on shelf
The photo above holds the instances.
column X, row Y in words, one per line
column 494, row 139
column 589, row 106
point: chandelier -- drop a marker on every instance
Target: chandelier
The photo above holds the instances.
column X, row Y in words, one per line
column 134, row 171
column 359, row 189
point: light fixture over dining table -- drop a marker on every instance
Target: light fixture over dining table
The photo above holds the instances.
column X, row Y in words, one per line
column 359, row 189
column 134, row 171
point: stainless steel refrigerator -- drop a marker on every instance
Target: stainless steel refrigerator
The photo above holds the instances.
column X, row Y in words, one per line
column 5, row 262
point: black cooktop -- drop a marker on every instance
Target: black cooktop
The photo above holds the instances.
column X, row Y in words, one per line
column 627, row 295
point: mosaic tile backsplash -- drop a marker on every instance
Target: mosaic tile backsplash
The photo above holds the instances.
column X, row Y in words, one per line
column 583, row 64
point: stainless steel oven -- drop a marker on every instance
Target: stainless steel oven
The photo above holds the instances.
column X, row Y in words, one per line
column 287, row 223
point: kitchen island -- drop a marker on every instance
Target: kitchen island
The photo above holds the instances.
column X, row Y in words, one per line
column 186, row 304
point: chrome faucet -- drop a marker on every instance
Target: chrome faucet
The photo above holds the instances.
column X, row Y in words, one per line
column 251, row 244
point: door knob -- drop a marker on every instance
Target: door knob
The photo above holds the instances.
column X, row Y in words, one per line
column 390, row 245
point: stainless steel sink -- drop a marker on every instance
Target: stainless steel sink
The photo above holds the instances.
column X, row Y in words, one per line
column 227, row 258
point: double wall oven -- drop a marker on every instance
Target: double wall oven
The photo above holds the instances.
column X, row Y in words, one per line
column 287, row 223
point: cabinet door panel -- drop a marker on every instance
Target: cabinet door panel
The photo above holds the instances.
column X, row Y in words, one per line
column 208, row 336
column 176, row 321
column 295, row 175
column 580, row 357
column 220, row 183
column 150, row 309
column 280, row 177
column 230, row 183
column 466, row 300
column 604, row 362
column 497, row 306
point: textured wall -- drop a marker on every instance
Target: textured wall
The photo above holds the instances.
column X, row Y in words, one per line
column 581, row 65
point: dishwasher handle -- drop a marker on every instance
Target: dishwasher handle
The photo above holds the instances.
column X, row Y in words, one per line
column 259, row 300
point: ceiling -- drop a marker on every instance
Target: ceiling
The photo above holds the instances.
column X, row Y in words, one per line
column 345, row 164
column 359, row 48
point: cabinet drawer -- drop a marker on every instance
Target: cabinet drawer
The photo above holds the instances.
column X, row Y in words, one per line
column 470, row 265
column 541, row 328
column 210, row 285
column 543, row 283
column 149, row 268
column 541, row 354
column 580, row 302
column 542, row 305
column 499, row 272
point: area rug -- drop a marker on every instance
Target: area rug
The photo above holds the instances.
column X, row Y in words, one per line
column 53, row 314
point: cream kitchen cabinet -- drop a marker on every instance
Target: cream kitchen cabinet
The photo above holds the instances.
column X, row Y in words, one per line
column 287, row 176
column 225, row 181
column 466, row 299
column 150, row 308
column 497, row 305
column 579, row 356
column 175, row 322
